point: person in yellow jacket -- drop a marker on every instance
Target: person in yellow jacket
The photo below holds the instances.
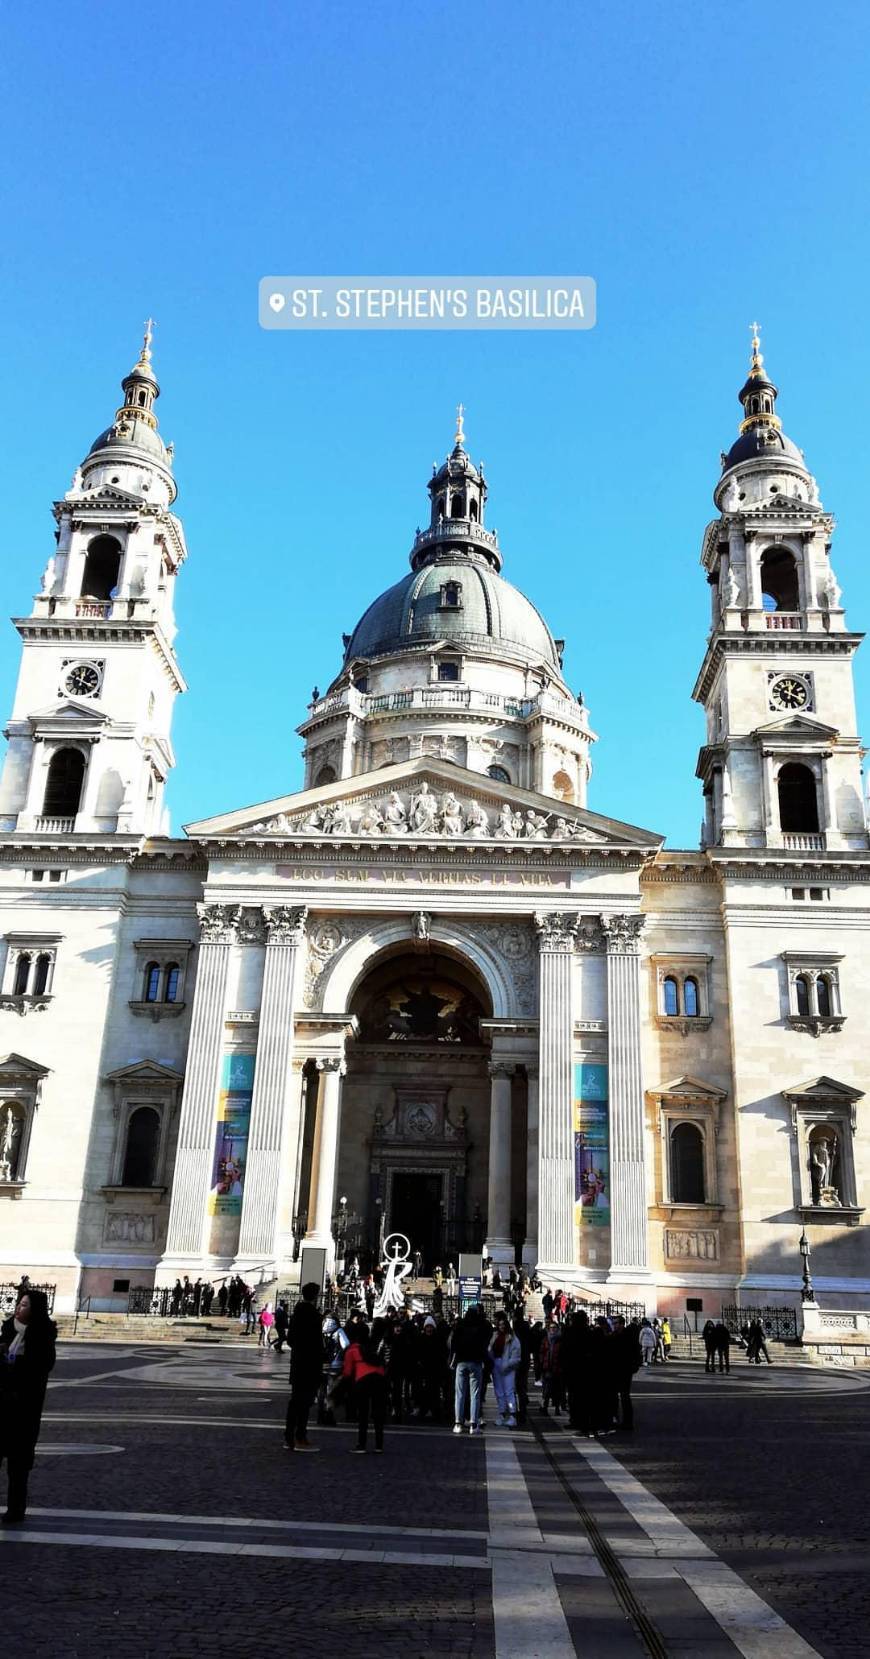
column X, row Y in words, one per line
column 666, row 1337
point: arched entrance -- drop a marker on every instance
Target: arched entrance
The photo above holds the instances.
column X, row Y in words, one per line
column 413, row 1155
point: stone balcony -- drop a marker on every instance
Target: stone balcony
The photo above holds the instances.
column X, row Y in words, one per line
column 452, row 530
column 350, row 702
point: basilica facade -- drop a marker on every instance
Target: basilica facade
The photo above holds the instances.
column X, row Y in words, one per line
column 434, row 991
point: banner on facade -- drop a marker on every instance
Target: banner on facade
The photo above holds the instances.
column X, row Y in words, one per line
column 591, row 1146
column 231, row 1134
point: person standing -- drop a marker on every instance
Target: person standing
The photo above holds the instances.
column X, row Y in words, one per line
column 264, row 1325
column 708, row 1336
column 626, row 1358
column 505, row 1354
column 364, row 1367
column 722, row 1340
column 757, row 1344
column 552, row 1384
column 469, row 1344
column 648, row 1341
column 666, row 1338
column 306, row 1365
column 27, row 1357
column 281, row 1318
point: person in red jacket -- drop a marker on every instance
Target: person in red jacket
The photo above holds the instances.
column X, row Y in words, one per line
column 365, row 1367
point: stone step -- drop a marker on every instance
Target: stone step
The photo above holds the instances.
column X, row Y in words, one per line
column 122, row 1327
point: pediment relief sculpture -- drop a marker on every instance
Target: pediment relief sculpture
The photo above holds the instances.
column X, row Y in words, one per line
column 425, row 813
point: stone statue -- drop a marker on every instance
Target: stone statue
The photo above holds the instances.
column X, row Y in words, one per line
column 371, row 819
column 823, row 1154
column 832, row 591
column 452, row 821
column 7, row 1146
column 319, row 819
column 48, row 576
column 424, row 811
column 505, row 828
column 395, row 816
column 396, row 1266
column 561, row 830
column 421, row 923
column 342, row 824
column 732, row 589
column 536, row 826
column 731, row 498
column 476, row 820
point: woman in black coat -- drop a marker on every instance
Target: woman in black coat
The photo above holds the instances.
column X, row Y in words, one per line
column 27, row 1356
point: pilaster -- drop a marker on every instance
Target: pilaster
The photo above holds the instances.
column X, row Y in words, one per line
column 499, row 1243
column 628, row 1206
column 556, row 934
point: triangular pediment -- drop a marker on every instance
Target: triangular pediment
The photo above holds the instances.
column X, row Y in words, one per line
column 69, row 711
column 426, row 799
column 823, row 1089
column 689, row 1088
column 796, row 727
column 16, row 1065
column 144, row 1071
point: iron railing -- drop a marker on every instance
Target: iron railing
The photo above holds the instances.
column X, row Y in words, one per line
column 779, row 1323
column 9, row 1295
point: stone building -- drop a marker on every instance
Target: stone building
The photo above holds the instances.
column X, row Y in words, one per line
column 434, row 992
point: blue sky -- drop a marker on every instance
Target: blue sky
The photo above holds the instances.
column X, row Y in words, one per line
column 707, row 165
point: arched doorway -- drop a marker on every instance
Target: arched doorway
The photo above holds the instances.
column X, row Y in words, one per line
column 413, row 1154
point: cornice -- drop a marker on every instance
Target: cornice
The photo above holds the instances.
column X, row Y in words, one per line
column 771, row 642
column 102, row 631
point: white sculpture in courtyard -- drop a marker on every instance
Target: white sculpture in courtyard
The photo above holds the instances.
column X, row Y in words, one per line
column 396, row 1265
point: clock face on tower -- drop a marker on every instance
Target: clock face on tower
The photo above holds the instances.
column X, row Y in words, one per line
column 83, row 679
column 788, row 692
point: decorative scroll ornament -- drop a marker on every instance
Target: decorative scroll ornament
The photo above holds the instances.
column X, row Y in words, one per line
column 556, row 929
column 423, row 813
column 622, row 934
column 285, row 924
column 217, row 923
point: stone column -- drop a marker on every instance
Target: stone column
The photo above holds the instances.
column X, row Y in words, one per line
column 498, row 1221
column 324, row 1158
column 530, row 1248
column 191, row 1175
column 628, row 1205
column 556, row 932
column 273, row 1096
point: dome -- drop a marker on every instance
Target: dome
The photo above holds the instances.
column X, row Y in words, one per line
column 762, row 443
column 141, row 437
column 491, row 617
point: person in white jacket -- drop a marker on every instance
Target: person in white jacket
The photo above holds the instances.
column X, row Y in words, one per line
column 648, row 1342
column 505, row 1354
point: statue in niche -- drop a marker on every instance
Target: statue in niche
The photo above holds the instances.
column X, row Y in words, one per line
column 732, row 589
column 421, row 923
column 476, row 820
column 824, row 1149
column 8, row 1152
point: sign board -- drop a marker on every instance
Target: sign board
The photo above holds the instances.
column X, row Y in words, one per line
column 469, row 1291
column 470, row 1264
column 312, row 1267
column 591, row 1146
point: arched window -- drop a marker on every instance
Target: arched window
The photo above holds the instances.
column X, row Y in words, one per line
column 823, row 996
column 687, row 1164
column 325, row 775
column 690, row 998
column 441, row 506
column 143, row 1142
column 102, row 566
column 798, row 803
column 22, row 974
column 802, row 994
column 452, row 592
column 500, row 773
column 457, row 507
column 173, row 978
column 152, row 982
column 63, row 786
column 671, row 995
column 472, row 510
column 779, row 580
column 40, row 978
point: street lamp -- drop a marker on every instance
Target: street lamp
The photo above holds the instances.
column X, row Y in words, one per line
column 807, row 1292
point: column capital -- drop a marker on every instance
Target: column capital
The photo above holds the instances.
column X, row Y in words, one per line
column 622, row 934
column 285, row 924
column 217, row 923
column 556, row 929
column 331, row 1062
column 532, row 1070
column 501, row 1068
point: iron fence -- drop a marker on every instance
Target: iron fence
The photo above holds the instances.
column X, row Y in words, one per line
column 9, row 1296
column 781, row 1324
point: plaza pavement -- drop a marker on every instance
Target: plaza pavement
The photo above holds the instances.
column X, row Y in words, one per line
column 168, row 1520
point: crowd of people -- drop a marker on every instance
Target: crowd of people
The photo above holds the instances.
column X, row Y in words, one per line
column 717, row 1344
column 428, row 1367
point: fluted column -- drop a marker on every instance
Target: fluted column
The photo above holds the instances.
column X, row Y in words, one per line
column 530, row 1249
column 556, row 932
column 324, row 1158
column 628, row 1206
column 274, row 1096
column 193, row 1158
column 498, row 1224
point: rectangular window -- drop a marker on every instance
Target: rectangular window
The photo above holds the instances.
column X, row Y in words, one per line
column 448, row 671
column 798, row 892
column 38, row 875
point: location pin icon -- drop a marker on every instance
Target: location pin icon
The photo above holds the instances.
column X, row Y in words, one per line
column 277, row 302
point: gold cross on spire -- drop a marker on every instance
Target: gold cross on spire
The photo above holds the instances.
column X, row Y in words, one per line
column 460, row 429
column 145, row 353
column 757, row 359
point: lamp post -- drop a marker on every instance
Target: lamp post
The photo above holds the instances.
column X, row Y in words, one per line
column 807, row 1292
column 341, row 1232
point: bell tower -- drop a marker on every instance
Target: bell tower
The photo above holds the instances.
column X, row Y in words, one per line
column 89, row 738
column 781, row 766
